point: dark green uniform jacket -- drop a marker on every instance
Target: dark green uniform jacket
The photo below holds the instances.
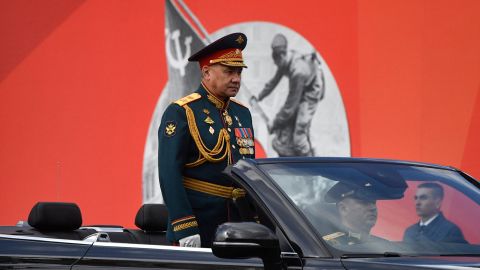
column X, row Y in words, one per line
column 199, row 136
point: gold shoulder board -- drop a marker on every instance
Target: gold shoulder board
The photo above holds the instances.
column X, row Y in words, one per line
column 331, row 236
column 238, row 102
column 188, row 99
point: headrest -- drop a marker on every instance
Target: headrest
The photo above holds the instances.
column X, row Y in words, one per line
column 152, row 217
column 55, row 216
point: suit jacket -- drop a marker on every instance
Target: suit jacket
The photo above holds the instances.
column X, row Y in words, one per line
column 439, row 230
column 199, row 136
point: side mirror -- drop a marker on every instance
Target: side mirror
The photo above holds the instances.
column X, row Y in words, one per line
column 246, row 240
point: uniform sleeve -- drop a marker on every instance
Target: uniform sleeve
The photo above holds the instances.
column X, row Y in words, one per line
column 174, row 139
column 297, row 87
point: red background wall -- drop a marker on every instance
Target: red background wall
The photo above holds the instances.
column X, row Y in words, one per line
column 79, row 81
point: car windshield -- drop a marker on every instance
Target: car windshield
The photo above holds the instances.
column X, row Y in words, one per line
column 384, row 208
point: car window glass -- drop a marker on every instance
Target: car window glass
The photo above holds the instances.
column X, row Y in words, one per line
column 378, row 207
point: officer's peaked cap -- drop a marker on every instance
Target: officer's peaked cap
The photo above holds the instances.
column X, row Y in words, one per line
column 363, row 190
column 226, row 51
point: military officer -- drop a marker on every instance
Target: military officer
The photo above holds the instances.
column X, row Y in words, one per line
column 199, row 135
column 357, row 212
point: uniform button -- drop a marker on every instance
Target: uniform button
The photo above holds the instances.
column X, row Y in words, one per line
column 229, row 130
column 233, row 146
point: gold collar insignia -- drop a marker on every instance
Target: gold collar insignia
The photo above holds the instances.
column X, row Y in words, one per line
column 219, row 104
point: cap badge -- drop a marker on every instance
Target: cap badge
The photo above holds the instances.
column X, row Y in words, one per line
column 240, row 40
column 347, row 193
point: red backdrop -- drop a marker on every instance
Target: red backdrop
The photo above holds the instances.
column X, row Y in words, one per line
column 79, row 81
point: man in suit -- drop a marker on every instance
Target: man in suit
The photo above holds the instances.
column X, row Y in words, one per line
column 433, row 226
column 199, row 136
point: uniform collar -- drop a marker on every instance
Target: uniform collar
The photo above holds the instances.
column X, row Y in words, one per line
column 220, row 104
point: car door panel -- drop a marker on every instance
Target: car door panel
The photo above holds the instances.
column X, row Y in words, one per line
column 133, row 256
column 40, row 253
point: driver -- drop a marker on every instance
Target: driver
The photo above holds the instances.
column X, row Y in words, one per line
column 357, row 213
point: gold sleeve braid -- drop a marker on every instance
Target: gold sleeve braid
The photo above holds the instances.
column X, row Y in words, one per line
column 207, row 154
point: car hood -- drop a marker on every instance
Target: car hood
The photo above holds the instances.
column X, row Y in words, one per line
column 443, row 262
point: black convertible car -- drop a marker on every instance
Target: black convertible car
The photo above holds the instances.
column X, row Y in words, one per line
column 305, row 209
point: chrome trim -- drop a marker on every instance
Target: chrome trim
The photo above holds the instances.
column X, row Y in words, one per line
column 289, row 255
column 44, row 239
column 159, row 247
column 97, row 237
column 105, row 229
column 91, row 238
column 23, row 224
column 236, row 244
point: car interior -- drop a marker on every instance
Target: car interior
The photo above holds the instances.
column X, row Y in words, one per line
column 64, row 221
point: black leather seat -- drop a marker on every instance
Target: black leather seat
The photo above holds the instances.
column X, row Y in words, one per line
column 57, row 220
column 152, row 220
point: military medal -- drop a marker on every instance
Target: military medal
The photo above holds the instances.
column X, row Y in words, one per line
column 244, row 137
column 228, row 118
column 238, row 120
column 209, row 120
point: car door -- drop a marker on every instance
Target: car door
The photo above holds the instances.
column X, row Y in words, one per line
column 107, row 255
column 25, row 252
column 300, row 246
